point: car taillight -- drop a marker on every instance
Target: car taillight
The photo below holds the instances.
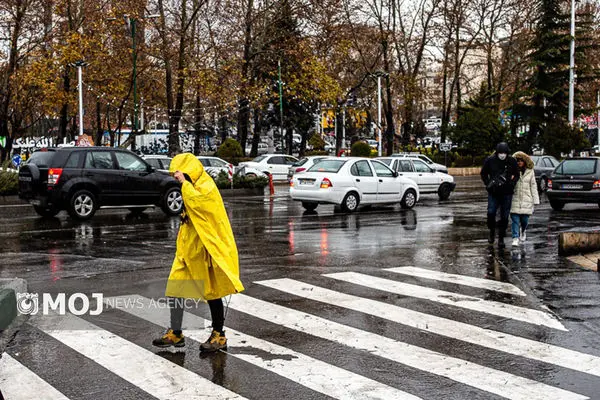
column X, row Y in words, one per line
column 300, row 169
column 291, row 183
column 54, row 175
column 326, row 183
column 549, row 184
column 596, row 185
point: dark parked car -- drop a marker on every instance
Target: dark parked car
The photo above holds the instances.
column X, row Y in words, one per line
column 544, row 165
column 575, row 180
column 83, row 179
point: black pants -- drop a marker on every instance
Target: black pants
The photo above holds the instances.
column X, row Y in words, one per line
column 216, row 313
column 501, row 203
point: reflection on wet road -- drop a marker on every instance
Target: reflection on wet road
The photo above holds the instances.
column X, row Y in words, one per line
column 383, row 303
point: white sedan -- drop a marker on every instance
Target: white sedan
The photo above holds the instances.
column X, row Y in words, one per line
column 216, row 165
column 276, row 165
column 350, row 181
column 428, row 180
column 304, row 165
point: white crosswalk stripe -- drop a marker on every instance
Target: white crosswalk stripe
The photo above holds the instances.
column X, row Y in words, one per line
column 441, row 326
column 151, row 373
column 459, row 279
column 18, row 382
column 314, row 374
column 450, row 298
column 163, row 378
column 478, row 376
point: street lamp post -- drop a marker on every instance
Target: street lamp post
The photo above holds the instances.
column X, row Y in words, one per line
column 572, row 67
column 80, row 64
column 283, row 142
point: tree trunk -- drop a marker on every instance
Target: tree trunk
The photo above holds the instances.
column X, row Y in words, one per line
column 99, row 131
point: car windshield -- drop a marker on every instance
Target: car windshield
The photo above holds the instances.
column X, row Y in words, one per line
column 259, row 159
column 327, row 166
column 41, row 158
column 386, row 161
column 301, row 162
column 577, row 167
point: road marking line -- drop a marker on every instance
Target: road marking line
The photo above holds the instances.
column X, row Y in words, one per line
column 142, row 368
column 309, row 372
column 450, row 298
column 466, row 372
column 507, row 343
column 17, row 382
column 487, row 284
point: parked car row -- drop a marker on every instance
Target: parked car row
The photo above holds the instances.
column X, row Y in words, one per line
column 81, row 180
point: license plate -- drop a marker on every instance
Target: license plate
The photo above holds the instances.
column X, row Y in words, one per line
column 572, row 186
column 306, row 182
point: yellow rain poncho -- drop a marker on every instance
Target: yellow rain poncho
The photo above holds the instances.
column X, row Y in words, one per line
column 206, row 262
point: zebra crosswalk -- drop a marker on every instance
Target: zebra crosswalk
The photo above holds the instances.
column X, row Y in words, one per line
column 280, row 328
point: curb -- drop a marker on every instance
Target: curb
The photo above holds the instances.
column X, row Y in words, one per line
column 10, row 319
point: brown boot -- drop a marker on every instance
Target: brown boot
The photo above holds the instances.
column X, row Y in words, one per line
column 215, row 342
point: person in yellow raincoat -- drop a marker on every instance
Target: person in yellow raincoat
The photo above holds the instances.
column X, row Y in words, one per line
column 206, row 261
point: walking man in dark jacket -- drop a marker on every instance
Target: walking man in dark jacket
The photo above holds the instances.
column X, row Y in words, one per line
column 500, row 174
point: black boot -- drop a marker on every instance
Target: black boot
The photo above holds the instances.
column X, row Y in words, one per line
column 502, row 232
column 491, row 224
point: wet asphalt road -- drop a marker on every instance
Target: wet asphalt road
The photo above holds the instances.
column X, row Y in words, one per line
column 119, row 254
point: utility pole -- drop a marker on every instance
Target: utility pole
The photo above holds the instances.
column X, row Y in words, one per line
column 80, row 87
column 572, row 67
column 283, row 144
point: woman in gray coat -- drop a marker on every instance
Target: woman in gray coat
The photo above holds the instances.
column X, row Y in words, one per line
column 524, row 198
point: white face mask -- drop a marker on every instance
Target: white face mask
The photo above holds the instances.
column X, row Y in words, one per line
column 502, row 156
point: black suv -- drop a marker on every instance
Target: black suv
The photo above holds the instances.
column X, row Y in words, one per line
column 82, row 179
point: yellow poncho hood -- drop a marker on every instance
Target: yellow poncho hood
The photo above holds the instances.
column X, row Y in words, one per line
column 206, row 262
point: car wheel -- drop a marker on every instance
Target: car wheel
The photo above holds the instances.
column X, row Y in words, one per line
column 444, row 191
column 82, row 205
column 409, row 200
column 309, row 205
column 172, row 201
column 557, row 205
column 46, row 211
column 543, row 184
column 350, row 202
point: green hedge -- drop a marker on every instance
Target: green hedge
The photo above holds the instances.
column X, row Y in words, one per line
column 240, row 182
column 317, row 153
column 9, row 181
column 230, row 151
column 360, row 149
column 457, row 158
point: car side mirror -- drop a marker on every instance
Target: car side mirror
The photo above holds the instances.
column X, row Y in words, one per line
column 150, row 168
column 395, row 174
